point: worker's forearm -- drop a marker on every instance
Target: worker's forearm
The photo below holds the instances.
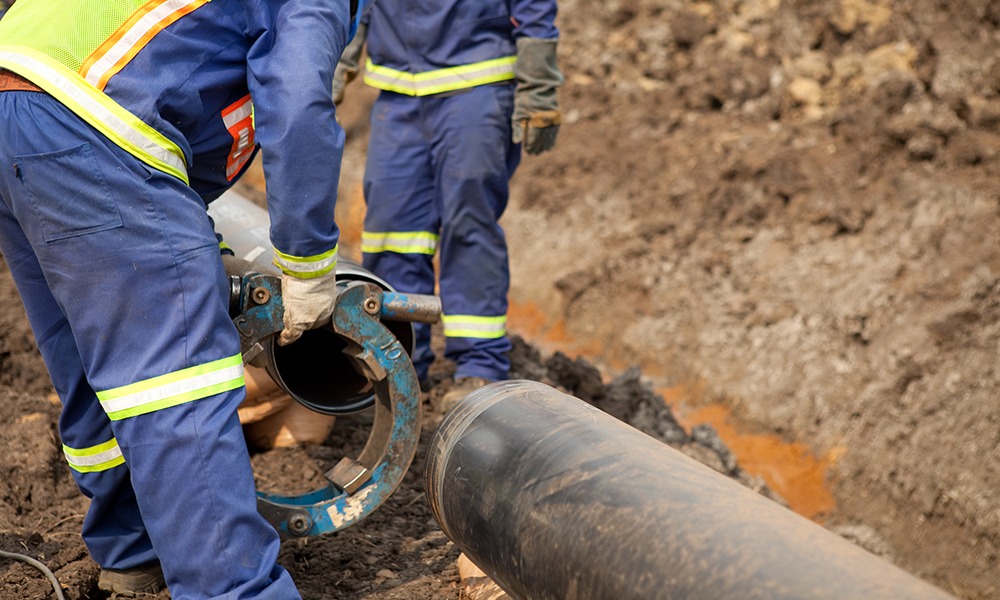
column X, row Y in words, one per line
column 300, row 139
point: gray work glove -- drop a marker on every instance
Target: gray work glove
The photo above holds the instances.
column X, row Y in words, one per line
column 308, row 303
column 347, row 68
column 536, row 116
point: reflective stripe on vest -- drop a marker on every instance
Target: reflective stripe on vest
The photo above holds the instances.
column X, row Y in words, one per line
column 439, row 80
column 132, row 36
column 97, row 109
column 172, row 389
column 96, row 458
column 400, row 242
column 469, row 326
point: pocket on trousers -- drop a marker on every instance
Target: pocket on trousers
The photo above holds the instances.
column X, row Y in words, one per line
column 68, row 193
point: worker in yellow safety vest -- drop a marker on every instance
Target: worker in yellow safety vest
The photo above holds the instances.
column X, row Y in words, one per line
column 121, row 122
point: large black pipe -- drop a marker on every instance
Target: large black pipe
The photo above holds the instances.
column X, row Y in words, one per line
column 555, row 499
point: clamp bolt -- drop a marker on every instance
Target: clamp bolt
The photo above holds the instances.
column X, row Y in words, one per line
column 260, row 295
column 299, row 524
column 372, row 306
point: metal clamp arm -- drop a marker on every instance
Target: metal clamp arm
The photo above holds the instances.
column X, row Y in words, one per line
column 356, row 486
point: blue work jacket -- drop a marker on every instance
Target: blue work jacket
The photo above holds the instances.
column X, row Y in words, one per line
column 171, row 82
column 422, row 47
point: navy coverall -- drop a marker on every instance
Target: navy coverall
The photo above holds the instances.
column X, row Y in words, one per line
column 440, row 157
column 146, row 116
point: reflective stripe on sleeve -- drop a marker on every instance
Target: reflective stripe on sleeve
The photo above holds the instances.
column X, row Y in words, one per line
column 172, row 389
column 93, row 106
column 96, row 458
column 469, row 326
column 400, row 242
column 439, row 80
column 132, row 36
column 306, row 267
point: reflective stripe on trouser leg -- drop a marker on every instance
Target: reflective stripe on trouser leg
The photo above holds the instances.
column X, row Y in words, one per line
column 401, row 221
column 133, row 263
column 97, row 458
column 476, row 160
column 474, row 326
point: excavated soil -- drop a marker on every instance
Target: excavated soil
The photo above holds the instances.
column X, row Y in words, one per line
column 788, row 210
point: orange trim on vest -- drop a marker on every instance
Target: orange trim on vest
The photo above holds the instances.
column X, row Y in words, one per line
column 134, row 25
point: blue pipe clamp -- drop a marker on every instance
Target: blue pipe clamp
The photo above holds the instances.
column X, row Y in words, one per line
column 355, row 486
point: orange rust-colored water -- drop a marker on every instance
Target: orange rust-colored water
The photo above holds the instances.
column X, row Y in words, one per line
column 789, row 468
column 529, row 321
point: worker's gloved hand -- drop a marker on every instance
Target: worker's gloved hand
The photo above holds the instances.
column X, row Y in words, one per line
column 536, row 116
column 308, row 303
column 347, row 69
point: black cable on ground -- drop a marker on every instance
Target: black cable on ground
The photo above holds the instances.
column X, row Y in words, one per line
column 41, row 567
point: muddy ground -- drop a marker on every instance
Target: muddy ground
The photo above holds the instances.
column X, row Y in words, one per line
column 787, row 208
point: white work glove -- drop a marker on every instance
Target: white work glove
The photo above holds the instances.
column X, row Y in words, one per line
column 348, row 66
column 308, row 303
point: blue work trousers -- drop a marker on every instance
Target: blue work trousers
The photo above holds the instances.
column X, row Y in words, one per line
column 440, row 166
column 119, row 271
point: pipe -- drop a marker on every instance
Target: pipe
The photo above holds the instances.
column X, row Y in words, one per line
column 555, row 499
column 314, row 370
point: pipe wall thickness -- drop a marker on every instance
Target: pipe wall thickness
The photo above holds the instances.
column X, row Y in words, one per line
column 555, row 499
